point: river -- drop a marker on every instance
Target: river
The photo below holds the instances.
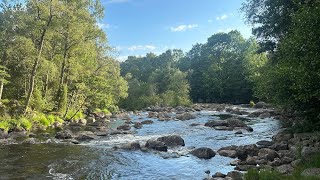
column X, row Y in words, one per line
column 98, row 159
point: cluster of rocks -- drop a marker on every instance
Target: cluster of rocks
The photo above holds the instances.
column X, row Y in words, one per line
column 282, row 153
column 229, row 124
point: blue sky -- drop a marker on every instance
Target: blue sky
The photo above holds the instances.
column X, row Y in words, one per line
column 136, row 27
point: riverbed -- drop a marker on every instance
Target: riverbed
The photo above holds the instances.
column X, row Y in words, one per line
column 99, row 159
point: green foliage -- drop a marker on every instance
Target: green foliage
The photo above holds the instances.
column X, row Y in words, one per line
column 5, row 125
column 73, row 115
column 290, row 76
column 263, row 175
column 25, row 123
column 43, row 63
column 219, row 70
column 162, row 84
column 41, row 119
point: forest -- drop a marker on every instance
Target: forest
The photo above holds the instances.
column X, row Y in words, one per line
column 56, row 64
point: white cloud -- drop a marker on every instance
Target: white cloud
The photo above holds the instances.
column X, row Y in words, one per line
column 183, row 27
column 210, row 21
column 142, row 48
column 222, row 17
column 103, row 25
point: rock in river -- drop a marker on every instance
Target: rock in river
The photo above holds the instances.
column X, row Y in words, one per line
column 156, row 145
column 124, row 127
column 147, row 122
column 203, row 153
column 186, row 116
column 172, row 140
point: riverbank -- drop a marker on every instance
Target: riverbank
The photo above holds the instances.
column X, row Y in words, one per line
column 210, row 135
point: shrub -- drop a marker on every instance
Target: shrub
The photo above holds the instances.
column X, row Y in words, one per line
column 51, row 118
column 25, row 123
column 5, row 125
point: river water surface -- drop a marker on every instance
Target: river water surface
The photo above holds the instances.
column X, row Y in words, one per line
column 98, row 160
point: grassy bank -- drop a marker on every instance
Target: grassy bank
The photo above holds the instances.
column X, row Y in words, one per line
column 313, row 162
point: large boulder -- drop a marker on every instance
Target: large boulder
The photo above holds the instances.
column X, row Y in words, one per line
column 268, row 154
column 228, row 153
column 132, row 146
column 172, row 140
column 85, row 135
column 156, row 145
column 233, row 122
column 214, row 123
column 285, row 169
column 248, row 150
column 203, row 153
column 262, row 105
column 124, row 127
column 66, row 134
column 185, row 116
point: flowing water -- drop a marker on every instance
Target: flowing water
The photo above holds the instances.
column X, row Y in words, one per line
column 98, row 160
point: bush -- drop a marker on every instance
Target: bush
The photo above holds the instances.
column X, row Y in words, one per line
column 5, row 125
column 51, row 118
column 42, row 119
column 71, row 113
column 25, row 123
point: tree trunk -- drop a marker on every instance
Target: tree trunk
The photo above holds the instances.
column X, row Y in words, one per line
column 1, row 89
column 37, row 61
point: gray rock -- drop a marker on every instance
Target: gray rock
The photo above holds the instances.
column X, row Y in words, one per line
column 285, row 169
column 249, row 129
column 214, row 123
column 219, row 174
column 252, row 160
column 124, row 127
column 186, row 116
column 156, row 145
column 228, row 153
column 137, row 125
column 194, row 124
column 85, row 135
column 132, row 146
column 235, row 162
column 147, row 122
column 233, row 122
column 203, row 153
column 66, row 134
column 235, row 175
column 30, row 141
column 314, row 172
column 172, row 140
column 280, row 146
column 248, row 150
column 268, row 154
column 264, row 143
column 15, row 135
